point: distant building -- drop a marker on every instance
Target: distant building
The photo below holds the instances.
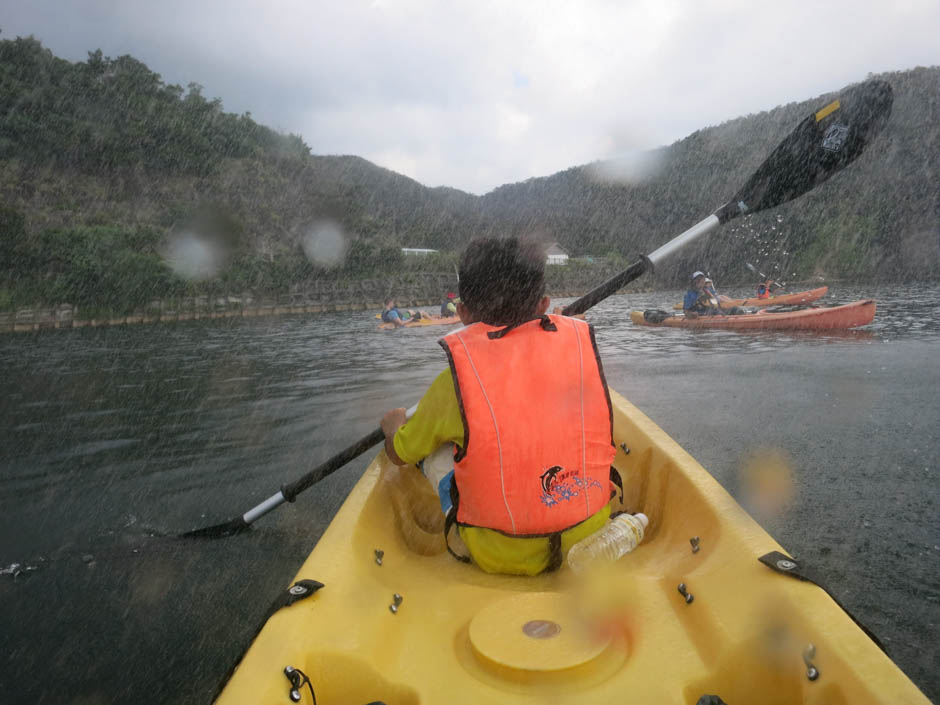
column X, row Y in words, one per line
column 556, row 254
column 419, row 251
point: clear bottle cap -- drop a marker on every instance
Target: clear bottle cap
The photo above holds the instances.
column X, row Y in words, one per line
column 644, row 520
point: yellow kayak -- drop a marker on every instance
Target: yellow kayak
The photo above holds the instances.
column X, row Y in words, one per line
column 422, row 322
column 399, row 621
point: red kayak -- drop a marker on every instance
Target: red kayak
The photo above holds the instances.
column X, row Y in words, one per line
column 853, row 315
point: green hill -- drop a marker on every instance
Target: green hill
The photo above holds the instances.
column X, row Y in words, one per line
column 102, row 164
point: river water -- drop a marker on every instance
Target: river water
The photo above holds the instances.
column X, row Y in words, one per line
column 111, row 438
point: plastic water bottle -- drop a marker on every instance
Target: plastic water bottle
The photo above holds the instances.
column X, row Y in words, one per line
column 621, row 535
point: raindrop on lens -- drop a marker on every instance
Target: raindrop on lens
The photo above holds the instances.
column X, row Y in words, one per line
column 324, row 244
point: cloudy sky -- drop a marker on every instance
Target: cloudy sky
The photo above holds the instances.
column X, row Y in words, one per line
column 477, row 93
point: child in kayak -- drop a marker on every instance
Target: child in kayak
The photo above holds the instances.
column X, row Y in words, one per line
column 525, row 404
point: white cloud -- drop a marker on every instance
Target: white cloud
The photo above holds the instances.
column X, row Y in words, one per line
column 473, row 94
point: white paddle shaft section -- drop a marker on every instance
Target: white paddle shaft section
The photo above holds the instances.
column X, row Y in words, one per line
column 266, row 506
column 278, row 499
column 697, row 230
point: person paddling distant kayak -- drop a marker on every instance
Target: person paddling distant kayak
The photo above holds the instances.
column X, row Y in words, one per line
column 392, row 315
column 520, row 494
column 703, row 300
column 767, row 288
column 449, row 305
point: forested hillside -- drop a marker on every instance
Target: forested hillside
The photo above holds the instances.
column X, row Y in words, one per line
column 102, row 164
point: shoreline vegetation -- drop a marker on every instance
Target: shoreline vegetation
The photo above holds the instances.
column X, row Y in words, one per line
column 364, row 295
column 118, row 189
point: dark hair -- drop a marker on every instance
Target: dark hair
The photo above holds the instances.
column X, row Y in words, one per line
column 502, row 280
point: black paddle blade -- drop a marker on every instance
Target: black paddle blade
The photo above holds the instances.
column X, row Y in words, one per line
column 229, row 528
column 820, row 146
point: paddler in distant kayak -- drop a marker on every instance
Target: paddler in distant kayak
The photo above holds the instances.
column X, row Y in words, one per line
column 449, row 305
column 767, row 288
column 525, row 404
column 698, row 301
column 702, row 300
column 392, row 315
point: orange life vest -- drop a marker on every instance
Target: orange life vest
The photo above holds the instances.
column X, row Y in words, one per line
column 538, row 428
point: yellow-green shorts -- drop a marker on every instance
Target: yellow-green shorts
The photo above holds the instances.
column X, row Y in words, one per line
column 496, row 552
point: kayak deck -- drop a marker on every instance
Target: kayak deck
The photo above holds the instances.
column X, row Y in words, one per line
column 851, row 315
column 461, row 635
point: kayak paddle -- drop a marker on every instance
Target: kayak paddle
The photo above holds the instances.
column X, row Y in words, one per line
column 820, row 146
column 764, row 276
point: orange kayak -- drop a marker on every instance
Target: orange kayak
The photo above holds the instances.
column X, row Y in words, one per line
column 794, row 299
column 853, row 315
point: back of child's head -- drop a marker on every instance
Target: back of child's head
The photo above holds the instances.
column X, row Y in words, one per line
column 502, row 280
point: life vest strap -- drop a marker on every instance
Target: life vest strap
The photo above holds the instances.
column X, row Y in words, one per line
column 617, row 481
column 544, row 321
column 554, row 552
column 450, row 520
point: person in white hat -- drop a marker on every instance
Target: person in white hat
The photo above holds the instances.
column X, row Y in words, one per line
column 697, row 301
column 703, row 299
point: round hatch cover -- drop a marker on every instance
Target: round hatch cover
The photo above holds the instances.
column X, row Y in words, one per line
column 536, row 631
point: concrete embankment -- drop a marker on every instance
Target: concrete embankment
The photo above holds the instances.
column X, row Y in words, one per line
column 426, row 291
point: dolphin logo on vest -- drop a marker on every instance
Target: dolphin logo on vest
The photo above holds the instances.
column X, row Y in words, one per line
column 548, row 478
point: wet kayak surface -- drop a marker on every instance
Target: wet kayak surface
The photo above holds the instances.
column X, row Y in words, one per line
column 113, row 438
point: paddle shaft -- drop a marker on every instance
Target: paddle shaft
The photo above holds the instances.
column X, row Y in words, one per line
column 820, row 146
column 763, row 276
column 646, row 263
column 289, row 492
